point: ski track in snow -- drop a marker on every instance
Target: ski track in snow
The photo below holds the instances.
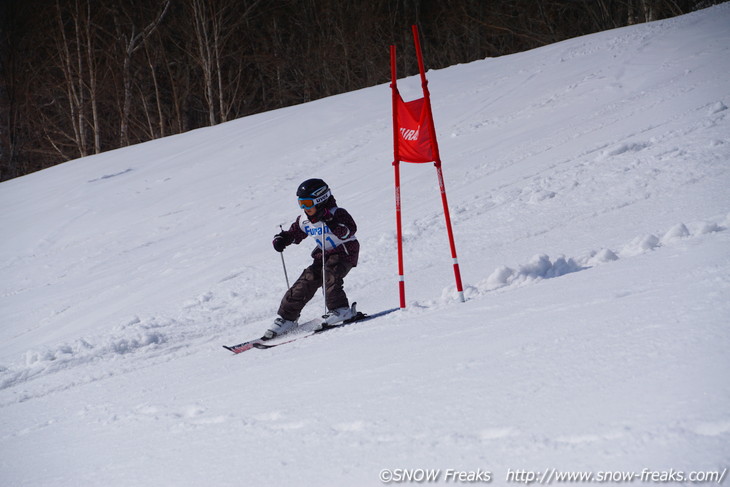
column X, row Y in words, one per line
column 160, row 337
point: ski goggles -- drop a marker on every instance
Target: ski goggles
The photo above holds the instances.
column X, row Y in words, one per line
column 309, row 203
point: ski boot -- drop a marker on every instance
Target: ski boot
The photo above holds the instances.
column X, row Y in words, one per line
column 337, row 316
column 280, row 327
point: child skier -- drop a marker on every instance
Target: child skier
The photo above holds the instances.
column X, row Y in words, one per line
column 334, row 229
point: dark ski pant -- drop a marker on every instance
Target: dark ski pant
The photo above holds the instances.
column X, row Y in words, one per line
column 304, row 289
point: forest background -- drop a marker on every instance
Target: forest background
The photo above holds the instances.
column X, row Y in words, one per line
column 79, row 77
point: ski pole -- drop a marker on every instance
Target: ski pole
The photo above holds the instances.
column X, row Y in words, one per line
column 324, row 280
column 283, row 264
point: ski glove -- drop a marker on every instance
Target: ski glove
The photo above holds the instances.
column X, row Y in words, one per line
column 279, row 242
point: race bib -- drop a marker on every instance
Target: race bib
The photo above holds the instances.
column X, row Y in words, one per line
column 322, row 234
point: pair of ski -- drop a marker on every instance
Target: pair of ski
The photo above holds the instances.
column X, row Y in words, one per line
column 261, row 343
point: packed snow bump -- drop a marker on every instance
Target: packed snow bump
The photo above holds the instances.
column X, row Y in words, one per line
column 542, row 267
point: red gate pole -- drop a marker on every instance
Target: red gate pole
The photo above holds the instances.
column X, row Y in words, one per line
column 437, row 163
column 396, row 166
column 455, row 259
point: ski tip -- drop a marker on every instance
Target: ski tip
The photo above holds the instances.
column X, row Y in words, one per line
column 241, row 347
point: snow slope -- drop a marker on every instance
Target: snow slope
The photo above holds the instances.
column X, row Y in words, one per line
column 588, row 183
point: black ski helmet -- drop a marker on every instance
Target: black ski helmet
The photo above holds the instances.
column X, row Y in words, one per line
column 315, row 189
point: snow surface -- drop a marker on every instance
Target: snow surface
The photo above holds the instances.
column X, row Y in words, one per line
column 588, row 183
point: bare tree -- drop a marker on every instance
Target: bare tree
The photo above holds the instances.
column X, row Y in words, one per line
column 131, row 41
column 78, row 77
column 215, row 22
column 72, row 62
